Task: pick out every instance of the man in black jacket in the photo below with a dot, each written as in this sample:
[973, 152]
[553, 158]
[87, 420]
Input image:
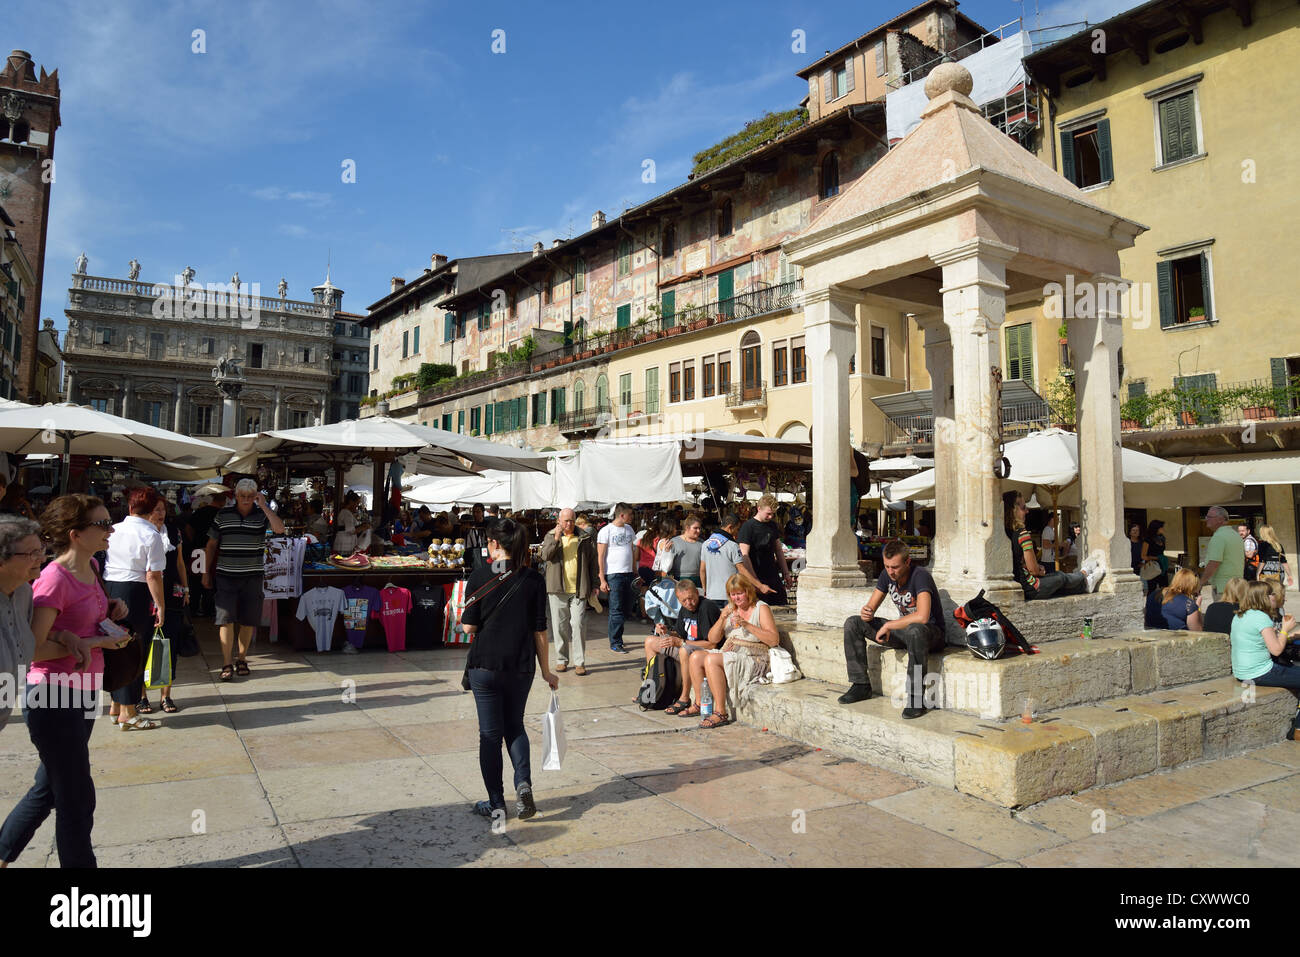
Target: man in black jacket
[685, 635]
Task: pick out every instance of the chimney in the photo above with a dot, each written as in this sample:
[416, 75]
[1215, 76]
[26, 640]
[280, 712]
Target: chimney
[439, 260]
[537, 248]
[556, 242]
[597, 219]
[396, 283]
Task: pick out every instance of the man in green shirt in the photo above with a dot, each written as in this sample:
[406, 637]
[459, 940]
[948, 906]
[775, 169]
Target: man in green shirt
[1225, 558]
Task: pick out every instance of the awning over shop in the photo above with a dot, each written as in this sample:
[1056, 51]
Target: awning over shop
[1280, 468]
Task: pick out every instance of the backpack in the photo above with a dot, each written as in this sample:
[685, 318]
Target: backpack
[661, 683]
[980, 607]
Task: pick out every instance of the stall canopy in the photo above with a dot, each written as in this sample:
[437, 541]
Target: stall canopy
[1049, 461]
[604, 471]
[1281, 468]
[69, 429]
[491, 487]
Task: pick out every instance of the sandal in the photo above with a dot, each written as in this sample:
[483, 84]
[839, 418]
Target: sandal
[715, 720]
[139, 724]
[169, 706]
[692, 712]
[144, 707]
[677, 707]
[241, 668]
[227, 672]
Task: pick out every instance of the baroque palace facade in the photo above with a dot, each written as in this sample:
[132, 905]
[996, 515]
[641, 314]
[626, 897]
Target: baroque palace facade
[147, 352]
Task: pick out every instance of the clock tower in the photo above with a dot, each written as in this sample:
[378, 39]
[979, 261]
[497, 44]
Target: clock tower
[29, 117]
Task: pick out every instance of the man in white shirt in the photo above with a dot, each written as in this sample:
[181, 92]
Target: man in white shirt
[616, 561]
[1049, 544]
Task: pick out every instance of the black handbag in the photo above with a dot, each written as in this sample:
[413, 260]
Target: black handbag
[123, 665]
[482, 593]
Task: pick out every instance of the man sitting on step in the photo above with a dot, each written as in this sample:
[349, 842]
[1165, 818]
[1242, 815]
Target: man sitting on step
[919, 627]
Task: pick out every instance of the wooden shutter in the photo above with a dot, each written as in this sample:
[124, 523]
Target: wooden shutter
[447, 326]
[1165, 292]
[848, 71]
[828, 85]
[1067, 155]
[1136, 388]
[487, 419]
[624, 316]
[880, 58]
[1187, 124]
[1103, 150]
[668, 303]
[415, 341]
[1205, 285]
[1020, 352]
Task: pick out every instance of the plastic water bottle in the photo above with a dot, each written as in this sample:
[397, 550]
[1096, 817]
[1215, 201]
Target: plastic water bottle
[706, 699]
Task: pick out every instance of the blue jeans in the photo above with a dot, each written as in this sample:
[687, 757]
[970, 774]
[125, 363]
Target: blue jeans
[620, 602]
[63, 785]
[1280, 676]
[500, 697]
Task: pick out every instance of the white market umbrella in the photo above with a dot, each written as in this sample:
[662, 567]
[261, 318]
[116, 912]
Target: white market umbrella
[69, 429]
[437, 450]
[491, 487]
[1049, 461]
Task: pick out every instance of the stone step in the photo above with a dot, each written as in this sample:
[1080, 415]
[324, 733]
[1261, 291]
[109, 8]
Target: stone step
[1014, 764]
[1064, 673]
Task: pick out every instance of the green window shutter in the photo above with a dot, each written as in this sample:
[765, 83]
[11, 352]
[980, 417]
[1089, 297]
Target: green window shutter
[521, 415]
[1280, 379]
[487, 419]
[1103, 149]
[1136, 388]
[1165, 292]
[1020, 352]
[1205, 285]
[1067, 155]
[668, 303]
[415, 341]
[624, 314]
[828, 84]
[460, 421]
[726, 285]
[1187, 123]
[446, 327]
[652, 390]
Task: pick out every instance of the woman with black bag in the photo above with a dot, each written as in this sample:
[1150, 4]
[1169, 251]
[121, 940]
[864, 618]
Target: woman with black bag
[506, 616]
[133, 572]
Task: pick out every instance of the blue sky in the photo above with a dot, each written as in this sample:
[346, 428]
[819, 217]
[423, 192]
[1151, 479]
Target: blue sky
[232, 159]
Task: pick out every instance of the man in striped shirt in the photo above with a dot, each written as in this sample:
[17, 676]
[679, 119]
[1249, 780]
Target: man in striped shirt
[236, 558]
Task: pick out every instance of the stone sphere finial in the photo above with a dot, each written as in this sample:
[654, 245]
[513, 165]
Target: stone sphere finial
[948, 76]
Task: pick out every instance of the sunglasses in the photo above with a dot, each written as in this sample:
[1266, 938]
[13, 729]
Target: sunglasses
[28, 555]
[102, 523]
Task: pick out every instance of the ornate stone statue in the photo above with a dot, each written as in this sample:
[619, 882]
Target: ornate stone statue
[187, 275]
[133, 269]
[234, 283]
[82, 263]
[283, 288]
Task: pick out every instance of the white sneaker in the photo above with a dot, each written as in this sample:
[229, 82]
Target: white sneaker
[1089, 564]
[1095, 574]
[348, 649]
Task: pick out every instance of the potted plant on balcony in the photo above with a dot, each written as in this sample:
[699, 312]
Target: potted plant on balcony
[1195, 314]
[1138, 411]
[1258, 401]
[1063, 334]
[598, 339]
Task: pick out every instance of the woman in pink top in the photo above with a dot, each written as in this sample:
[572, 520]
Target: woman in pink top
[63, 682]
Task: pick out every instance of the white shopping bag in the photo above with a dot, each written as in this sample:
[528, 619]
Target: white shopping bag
[552, 736]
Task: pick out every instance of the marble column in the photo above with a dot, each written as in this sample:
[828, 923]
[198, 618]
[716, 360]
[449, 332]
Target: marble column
[974, 307]
[1096, 340]
[279, 408]
[68, 381]
[829, 326]
[128, 402]
[178, 413]
[938, 362]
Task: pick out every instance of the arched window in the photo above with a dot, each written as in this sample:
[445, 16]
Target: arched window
[830, 176]
[669, 244]
[579, 389]
[751, 366]
[725, 218]
[602, 392]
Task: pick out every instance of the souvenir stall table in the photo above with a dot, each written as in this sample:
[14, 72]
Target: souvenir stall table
[393, 603]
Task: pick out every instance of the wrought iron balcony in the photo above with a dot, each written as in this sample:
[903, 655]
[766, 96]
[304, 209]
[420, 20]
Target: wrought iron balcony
[740, 397]
[587, 419]
[632, 408]
[1199, 407]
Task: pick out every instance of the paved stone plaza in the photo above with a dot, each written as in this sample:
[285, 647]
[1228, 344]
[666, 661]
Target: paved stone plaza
[286, 773]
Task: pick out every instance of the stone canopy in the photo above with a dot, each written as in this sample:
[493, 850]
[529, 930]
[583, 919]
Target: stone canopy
[953, 223]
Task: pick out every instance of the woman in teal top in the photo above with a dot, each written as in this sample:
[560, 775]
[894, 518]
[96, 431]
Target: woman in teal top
[1255, 641]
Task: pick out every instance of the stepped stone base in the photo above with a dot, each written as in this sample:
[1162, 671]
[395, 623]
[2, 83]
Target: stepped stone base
[1013, 764]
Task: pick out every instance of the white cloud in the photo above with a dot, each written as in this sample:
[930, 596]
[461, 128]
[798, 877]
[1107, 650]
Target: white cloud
[276, 193]
[294, 230]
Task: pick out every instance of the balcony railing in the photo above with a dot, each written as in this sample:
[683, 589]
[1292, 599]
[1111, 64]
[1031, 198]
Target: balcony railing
[1229, 404]
[747, 396]
[683, 318]
[1018, 420]
[637, 405]
[586, 419]
[219, 295]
